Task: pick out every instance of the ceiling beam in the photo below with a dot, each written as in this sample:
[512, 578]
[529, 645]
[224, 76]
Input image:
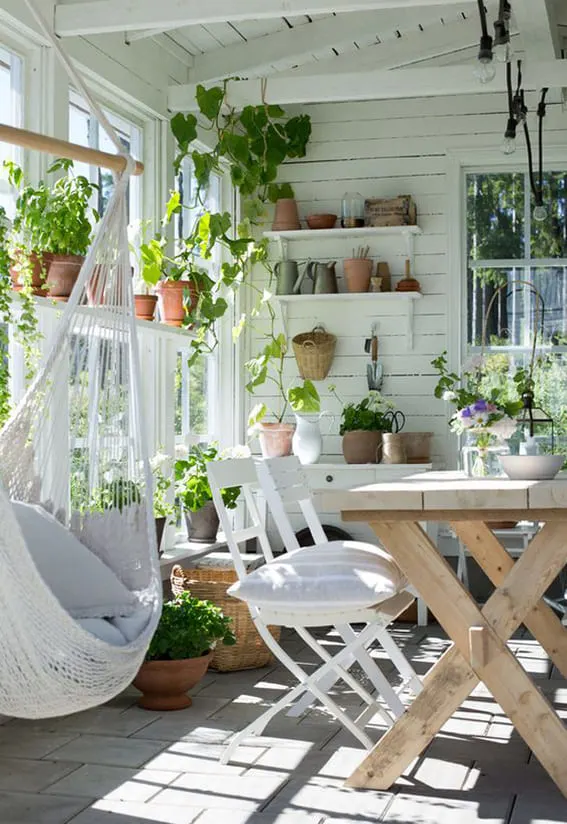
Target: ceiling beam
[258, 56]
[537, 23]
[372, 85]
[99, 16]
[411, 47]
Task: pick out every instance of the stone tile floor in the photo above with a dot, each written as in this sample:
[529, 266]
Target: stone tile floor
[123, 765]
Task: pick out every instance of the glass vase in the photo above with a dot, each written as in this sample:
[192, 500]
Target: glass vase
[481, 453]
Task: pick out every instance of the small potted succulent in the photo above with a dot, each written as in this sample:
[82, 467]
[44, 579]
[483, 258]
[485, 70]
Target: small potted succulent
[181, 651]
[193, 491]
[52, 230]
[362, 425]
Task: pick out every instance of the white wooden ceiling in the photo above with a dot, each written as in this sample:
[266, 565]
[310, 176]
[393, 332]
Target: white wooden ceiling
[351, 49]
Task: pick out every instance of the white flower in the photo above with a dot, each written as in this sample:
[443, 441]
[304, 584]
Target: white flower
[238, 451]
[159, 462]
[181, 452]
[448, 395]
[504, 428]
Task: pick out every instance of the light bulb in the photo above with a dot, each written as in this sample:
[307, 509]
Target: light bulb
[539, 213]
[503, 52]
[508, 145]
[485, 71]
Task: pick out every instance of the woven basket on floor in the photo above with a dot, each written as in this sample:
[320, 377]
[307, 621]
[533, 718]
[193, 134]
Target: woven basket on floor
[314, 353]
[211, 583]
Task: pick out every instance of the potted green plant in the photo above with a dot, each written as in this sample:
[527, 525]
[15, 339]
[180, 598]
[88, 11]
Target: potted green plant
[148, 255]
[52, 229]
[193, 491]
[163, 480]
[362, 425]
[181, 651]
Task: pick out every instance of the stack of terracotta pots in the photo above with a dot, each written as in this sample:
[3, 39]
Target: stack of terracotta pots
[286, 216]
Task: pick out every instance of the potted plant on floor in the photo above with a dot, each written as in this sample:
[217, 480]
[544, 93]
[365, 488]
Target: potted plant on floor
[362, 425]
[52, 230]
[181, 651]
[193, 491]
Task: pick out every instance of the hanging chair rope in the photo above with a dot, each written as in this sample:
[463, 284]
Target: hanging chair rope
[80, 585]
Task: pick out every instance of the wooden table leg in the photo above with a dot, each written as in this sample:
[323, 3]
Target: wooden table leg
[496, 562]
[452, 678]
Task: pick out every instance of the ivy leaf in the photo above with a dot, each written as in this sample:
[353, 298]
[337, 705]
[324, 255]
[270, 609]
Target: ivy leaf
[210, 101]
[173, 206]
[275, 111]
[277, 191]
[237, 146]
[203, 164]
[298, 131]
[304, 398]
[184, 128]
[256, 414]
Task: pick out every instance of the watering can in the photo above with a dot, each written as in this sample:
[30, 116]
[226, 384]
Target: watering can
[323, 275]
[287, 274]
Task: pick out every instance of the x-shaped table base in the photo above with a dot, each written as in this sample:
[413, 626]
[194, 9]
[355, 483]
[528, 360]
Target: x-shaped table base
[479, 651]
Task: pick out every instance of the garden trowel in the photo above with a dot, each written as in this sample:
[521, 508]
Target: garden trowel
[374, 370]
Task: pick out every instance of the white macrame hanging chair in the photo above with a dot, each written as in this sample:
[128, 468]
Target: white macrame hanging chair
[76, 447]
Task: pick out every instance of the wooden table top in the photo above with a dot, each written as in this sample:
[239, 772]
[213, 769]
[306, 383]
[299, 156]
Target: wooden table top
[451, 496]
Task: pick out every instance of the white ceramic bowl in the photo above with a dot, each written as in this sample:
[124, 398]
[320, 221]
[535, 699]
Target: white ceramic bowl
[531, 467]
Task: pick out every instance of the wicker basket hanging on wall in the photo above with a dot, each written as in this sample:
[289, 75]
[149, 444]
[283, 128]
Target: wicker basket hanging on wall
[211, 584]
[314, 352]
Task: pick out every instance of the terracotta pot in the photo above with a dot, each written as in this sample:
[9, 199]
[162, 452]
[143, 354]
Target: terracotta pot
[62, 274]
[165, 684]
[145, 306]
[171, 298]
[38, 268]
[286, 216]
[276, 439]
[360, 446]
[418, 446]
[160, 528]
[357, 274]
[202, 525]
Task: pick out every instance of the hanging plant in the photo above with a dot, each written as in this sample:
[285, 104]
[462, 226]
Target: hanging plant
[253, 143]
[5, 317]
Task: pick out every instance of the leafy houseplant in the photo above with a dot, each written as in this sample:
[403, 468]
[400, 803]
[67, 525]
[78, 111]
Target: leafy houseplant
[254, 143]
[52, 229]
[5, 318]
[180, 651]
[193, 491]
[362, 425]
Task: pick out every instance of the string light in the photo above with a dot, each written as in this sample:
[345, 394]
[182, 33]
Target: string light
[502, 46]
[485, 70]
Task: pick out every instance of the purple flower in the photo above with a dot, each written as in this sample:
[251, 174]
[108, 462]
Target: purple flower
[465, 413]
[480, 405]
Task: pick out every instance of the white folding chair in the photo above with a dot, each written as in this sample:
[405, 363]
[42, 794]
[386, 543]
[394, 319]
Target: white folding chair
[283, 481]
[242, 472]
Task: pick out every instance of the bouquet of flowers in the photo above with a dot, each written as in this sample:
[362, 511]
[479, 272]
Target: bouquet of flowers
[487, 413]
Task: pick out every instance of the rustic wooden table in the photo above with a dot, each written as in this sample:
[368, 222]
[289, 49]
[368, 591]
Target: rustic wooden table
[479, 651]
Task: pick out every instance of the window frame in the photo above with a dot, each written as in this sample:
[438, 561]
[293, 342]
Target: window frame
[460, 162]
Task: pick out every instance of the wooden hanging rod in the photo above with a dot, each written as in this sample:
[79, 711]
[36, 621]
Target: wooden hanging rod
[62, 148]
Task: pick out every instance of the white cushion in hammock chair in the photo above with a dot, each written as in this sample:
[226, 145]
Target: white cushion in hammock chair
[118, 631]
[349, 574]
[83, 585]
[104, 630]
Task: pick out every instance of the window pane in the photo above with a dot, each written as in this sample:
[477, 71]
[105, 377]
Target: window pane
[551, 283]
[10, 114]
[549, 237]
[85, 130]
[505, 323]
[495, 216]
[192, 388]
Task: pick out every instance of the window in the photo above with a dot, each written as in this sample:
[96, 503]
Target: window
[10, 114]
[196, 386]
[85, 130]
[505, 245]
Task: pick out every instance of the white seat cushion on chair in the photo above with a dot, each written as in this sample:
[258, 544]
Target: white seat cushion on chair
[83, 585]
[337, 574]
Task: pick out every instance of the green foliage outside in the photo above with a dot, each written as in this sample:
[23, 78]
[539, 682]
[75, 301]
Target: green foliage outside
[192, 487]
[189, 628]
[5, 318]
[497, 230]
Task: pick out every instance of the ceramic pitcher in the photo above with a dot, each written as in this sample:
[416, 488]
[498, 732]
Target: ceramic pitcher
[307, 441]
[287, 274]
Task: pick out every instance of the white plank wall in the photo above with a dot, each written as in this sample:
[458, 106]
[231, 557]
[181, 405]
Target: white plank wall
[384, 149]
